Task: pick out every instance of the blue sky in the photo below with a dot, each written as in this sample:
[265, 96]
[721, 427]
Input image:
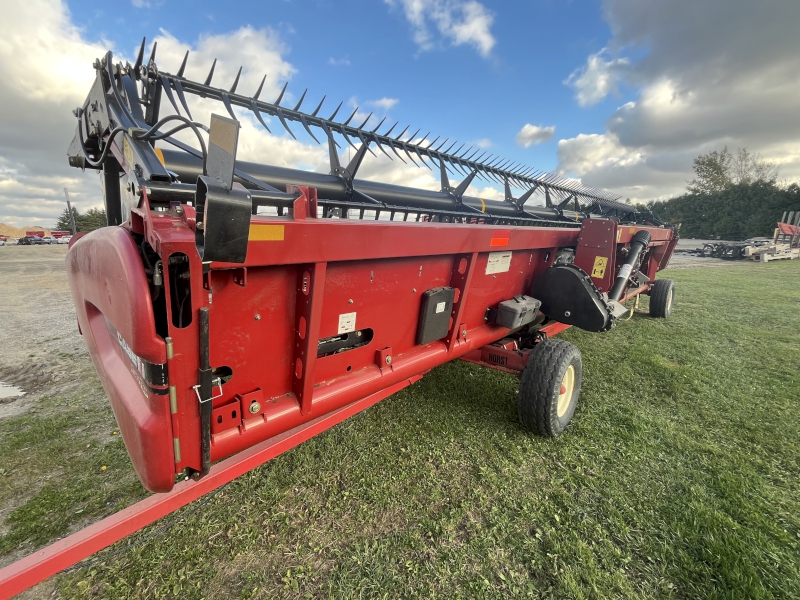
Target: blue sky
[621, 94]
[365, 49]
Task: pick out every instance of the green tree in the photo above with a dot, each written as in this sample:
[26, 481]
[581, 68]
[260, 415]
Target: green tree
[712, 172]
[63, 224]
[93, 219]
[717, 171]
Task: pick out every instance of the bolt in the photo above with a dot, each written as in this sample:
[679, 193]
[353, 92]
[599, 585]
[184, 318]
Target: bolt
[258, 317]
[414, 290]
[464, 332]
[255, 407]
[200, 226]
[388, 360]
[350, 301]
[567, 313]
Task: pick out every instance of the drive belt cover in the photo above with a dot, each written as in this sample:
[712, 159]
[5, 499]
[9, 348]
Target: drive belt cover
[569, 296]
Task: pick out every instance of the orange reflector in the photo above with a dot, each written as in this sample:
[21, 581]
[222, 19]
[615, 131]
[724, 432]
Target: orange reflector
[500, 237]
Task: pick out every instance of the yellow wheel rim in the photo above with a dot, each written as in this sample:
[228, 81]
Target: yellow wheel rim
[565, 393]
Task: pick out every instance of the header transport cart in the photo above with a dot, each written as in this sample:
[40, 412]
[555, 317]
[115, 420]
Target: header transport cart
[233, 310]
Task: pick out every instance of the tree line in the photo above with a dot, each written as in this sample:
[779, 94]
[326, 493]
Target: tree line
[92, 219]
[733, 196]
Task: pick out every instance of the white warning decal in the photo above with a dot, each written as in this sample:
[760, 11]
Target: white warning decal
[625, 271]
[440, 306]
[499, 262]
[347, 322]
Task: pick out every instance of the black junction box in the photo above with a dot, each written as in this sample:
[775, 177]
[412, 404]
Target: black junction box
[434, 318]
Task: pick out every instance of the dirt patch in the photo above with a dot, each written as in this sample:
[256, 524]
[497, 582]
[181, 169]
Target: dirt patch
[41, 351]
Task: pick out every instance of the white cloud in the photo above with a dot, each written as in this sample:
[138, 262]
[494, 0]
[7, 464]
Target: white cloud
[459, 21]
[531, 135]
[598, 78]
[339, 62]
[483, 143]
[707, 74]
[41, 83]
[384, 103]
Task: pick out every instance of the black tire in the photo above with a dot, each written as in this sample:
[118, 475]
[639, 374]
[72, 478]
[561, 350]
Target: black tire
[540, 387]
[662, 298]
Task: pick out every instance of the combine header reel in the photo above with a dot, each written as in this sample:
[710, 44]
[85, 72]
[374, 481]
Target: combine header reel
[235, 309]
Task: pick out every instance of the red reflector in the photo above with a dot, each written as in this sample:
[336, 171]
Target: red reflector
[500, 237]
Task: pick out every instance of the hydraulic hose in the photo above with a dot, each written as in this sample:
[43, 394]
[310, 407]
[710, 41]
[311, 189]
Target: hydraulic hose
[639, 243]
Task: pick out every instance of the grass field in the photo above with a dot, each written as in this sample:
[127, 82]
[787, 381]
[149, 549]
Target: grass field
[679, 478]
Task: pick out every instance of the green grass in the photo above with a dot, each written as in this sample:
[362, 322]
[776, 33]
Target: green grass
[677, 479]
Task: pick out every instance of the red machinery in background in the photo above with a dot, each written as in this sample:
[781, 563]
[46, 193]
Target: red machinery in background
[233, 310]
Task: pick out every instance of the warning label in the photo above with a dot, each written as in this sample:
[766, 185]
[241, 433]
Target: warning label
[440, 306]
[499, 262]
[347, 322]
[599, 269]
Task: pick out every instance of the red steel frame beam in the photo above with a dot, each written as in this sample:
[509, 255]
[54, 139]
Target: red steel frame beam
[48, 561]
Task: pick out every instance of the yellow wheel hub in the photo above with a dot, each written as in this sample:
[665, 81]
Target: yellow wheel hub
[565, 393]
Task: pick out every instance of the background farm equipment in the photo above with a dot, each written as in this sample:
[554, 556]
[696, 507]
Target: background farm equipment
[234, 309]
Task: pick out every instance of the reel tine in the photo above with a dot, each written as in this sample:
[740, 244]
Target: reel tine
[283, 91]
[434, 141]
[329, 133]
[153, 52]
[365, 143]
[451, 146]
[139, 58]
[347, 139]
[307, 128]
[211, 73]
[378, 142]
[316, 110]
[412, 136]
[365, 121]
[183, 64]
[351, 117]
[440, 145]
[260, 87]
[390, 129]
[379, 124]
[336, 111]
[168, 89]
[401, 135]
[422, 158]
[391, 145]
[182, 97]
[257, 113]
[303, 97]
[405, 149]
[459, 149]
[227, 102]
[422, 141]
[235, 82]
[282, 119]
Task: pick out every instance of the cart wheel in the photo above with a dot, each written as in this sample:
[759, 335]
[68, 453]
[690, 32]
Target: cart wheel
[662, 297]
[549, 387]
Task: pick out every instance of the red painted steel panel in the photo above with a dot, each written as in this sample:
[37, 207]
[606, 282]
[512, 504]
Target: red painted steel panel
[108, 286]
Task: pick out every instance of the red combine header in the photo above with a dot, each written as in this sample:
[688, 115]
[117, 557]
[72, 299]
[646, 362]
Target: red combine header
[233, 309]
